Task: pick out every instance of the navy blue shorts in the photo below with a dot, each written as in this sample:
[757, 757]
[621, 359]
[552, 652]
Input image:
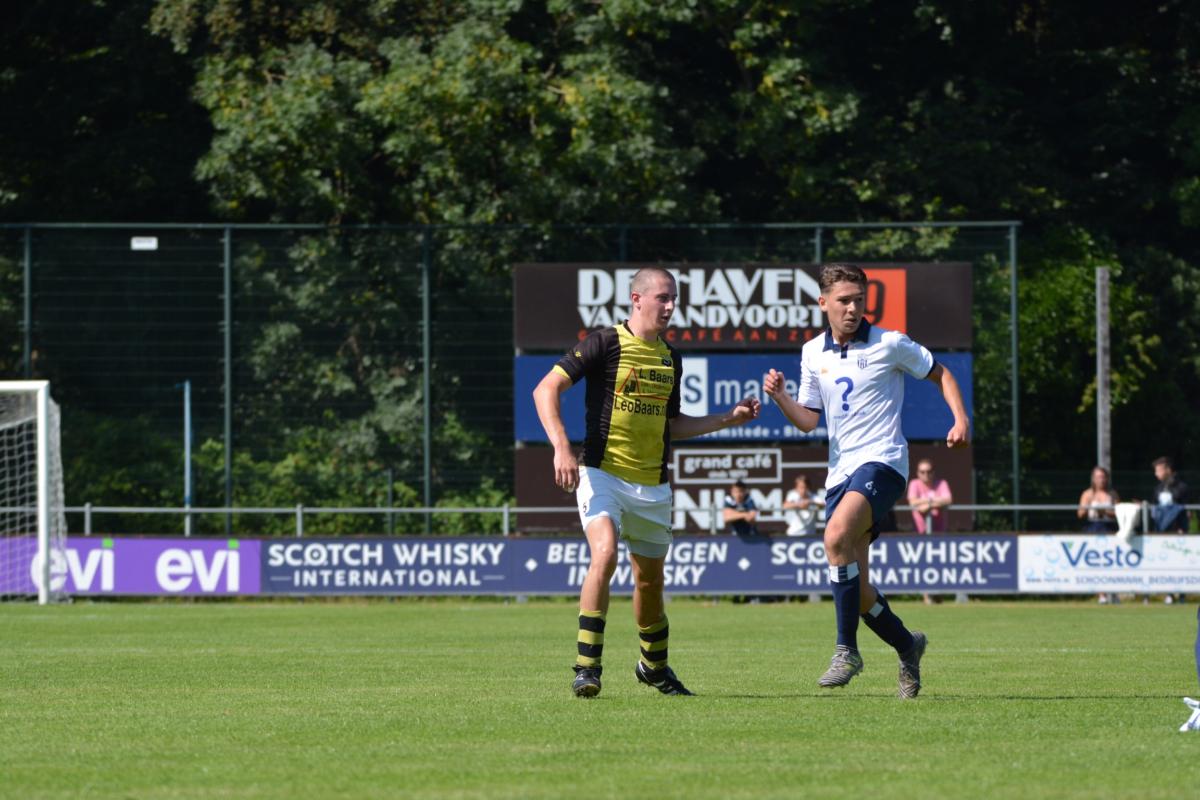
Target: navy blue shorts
[879, 483]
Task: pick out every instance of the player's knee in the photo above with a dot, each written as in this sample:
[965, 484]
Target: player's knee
[650, 582]
[604, 559]
[839, 543]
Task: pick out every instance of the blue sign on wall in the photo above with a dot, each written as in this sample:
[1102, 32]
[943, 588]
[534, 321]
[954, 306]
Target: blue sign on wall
[715, 382]
[695, 565]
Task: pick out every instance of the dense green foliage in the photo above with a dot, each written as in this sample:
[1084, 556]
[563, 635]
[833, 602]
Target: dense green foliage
[1078, 119]
[451, 699]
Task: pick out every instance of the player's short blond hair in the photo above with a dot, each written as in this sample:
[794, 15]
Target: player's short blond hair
[642, 278]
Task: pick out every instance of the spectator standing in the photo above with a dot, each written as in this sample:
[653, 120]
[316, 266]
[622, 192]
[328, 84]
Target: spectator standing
[929, 495]
[1096, 510]
[1096, 504]
[1169, 515]
[802, 507]
[741, 514]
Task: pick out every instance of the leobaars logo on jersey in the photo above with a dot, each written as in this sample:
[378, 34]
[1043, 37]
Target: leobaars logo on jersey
[720, 306]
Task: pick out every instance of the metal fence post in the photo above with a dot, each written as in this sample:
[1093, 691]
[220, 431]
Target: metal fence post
[27, 358]
[505, 523]
[426, 377]
[1015, 376]
[712, 515]
[818, 251]
[228, 311]
[87, 519]
[391, 501]
[299, 520]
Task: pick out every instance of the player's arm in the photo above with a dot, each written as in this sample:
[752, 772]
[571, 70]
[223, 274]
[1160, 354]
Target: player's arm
[733, 515]
[919, 504]
[685, 426]
[960, 433]
[942, 495]
[547, 398]
[804, 418]
[1085, 497]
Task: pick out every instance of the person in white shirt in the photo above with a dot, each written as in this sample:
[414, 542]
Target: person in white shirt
[855, 374]
[802, 507]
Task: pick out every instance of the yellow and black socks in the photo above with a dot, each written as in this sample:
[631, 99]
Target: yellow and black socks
[654, 644]
[591, 639]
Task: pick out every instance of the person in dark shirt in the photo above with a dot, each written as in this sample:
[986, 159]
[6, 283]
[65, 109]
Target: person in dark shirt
[1169, 515]
[740, 513]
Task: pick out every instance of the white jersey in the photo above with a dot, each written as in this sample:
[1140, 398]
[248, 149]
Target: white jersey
[860, 387]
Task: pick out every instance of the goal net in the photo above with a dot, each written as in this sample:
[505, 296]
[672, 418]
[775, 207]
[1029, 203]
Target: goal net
[33, 526]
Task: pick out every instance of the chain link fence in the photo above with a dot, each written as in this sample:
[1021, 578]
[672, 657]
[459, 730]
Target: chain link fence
[371, 366]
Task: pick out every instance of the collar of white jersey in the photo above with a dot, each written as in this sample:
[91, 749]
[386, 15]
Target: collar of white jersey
[863, 334]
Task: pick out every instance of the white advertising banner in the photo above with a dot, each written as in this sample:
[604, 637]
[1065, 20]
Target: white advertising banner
[1087, 563]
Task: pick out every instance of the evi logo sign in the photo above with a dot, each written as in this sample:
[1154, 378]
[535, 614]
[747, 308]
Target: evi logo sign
[131, 566]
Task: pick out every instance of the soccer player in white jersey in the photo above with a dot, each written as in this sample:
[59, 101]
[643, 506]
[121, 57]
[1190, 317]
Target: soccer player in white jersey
[855, 373]
[1193, 722]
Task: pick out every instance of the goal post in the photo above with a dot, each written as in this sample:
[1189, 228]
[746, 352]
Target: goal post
[32, 509]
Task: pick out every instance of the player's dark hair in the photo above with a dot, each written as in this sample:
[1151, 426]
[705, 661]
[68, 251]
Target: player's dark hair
[1165, 461]
[837, 273]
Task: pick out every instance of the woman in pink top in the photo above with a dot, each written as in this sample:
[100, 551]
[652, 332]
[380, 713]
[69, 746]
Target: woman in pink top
[928, 495]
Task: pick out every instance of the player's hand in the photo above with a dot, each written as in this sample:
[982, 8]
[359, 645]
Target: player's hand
[566, 470]
[959, 435]
[745, 411]
[774, 385]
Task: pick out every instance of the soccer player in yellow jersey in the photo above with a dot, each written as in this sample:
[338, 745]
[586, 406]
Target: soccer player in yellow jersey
[621, 487]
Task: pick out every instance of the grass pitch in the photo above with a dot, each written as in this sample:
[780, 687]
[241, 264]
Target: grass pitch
[472, 699]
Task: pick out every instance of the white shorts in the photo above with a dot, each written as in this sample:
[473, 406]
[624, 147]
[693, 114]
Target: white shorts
[640, 513]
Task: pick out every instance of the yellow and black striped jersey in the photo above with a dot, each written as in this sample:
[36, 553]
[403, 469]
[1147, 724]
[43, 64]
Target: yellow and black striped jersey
[632, 394]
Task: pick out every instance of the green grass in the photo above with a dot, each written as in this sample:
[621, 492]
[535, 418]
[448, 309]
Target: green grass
[472, 699]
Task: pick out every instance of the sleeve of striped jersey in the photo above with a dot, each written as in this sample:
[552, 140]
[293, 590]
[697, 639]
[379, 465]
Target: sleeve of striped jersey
[912, 357]
[809, 393]
[673, 404]
[586, 356]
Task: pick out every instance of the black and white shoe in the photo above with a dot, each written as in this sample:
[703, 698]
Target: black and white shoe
[587, 681]
[844, 665]
[910, 667]
[662, 679]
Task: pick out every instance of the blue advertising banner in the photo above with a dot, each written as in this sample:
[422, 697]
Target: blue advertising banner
[695, 565]
[712, 565]
[713, 382]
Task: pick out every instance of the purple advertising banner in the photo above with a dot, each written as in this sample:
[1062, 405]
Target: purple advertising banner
[124, 565]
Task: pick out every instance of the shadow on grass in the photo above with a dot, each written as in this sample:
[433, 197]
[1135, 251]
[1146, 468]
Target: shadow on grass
[933, 695]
